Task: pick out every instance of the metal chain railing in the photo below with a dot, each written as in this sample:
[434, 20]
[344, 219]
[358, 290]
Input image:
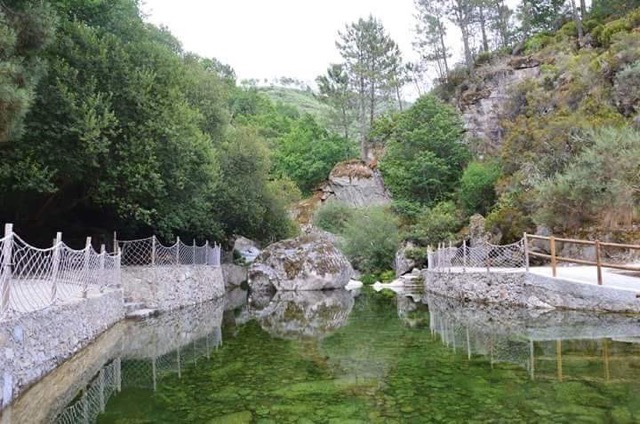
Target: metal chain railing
[150, 252]
[485, 256]
[32, 278]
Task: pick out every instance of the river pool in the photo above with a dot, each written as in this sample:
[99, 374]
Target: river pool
[337, 358]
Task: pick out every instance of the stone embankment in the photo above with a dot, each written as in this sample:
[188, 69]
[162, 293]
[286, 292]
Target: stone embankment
[530, 290]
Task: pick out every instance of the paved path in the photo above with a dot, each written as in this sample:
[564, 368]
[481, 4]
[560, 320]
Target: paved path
[624, 280]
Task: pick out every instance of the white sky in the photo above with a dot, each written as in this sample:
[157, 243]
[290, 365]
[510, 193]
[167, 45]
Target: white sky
[273, 38]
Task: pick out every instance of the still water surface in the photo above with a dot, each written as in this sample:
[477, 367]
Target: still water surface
[375, 358]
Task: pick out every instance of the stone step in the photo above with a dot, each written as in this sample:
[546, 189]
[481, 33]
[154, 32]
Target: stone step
[133, 306]
[142, 314]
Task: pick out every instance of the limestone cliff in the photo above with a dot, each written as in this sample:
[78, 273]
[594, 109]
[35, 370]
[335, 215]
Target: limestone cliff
[356, 184]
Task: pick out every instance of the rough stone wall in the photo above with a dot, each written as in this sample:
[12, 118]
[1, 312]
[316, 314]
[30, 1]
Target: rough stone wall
[34, 344]
[171, 287]
[42, 402]
[234, 275]
[530, 291]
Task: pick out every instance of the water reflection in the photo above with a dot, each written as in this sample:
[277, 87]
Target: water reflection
[561, 345]
[306, 314]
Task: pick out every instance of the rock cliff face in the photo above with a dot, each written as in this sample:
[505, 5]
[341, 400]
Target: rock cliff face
[483, 104]
[356, 184]
[308, 262]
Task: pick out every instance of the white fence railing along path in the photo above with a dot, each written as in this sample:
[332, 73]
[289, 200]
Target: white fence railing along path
[32, 278]
[150, 252]
[483, 256]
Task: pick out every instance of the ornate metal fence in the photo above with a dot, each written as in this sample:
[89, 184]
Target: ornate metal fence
[484, 256]
[150, 252]
[32, 278]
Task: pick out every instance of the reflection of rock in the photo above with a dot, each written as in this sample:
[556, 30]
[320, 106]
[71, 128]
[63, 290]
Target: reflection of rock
[294, 315]
[234, 275]
[308, 262]
[235, 299]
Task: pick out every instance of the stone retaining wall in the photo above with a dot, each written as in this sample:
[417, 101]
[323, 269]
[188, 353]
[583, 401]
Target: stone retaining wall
[34, 344]
[171, 287]
[530, 291]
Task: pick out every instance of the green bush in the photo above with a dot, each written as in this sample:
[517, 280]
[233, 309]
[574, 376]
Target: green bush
[537, 42]
[371, 239]
[436, 224]
[509, 219]
[477, 194]
[333, 217]
[627, 89]
[598, 187]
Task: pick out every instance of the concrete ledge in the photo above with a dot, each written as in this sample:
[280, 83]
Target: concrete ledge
[34, 344]
[530, 291]
[172, 287]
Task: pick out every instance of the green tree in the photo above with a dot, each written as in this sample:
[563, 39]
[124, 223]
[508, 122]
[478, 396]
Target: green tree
[371, 60]
[431, 31]
[477, 194]
[336, 92]
[425, 155]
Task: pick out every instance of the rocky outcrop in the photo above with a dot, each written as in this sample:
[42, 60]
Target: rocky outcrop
[405, 259]
[356, 184]
[307, 262]
[233, 275]
[483, 104]
[295, 315]
[248, 249]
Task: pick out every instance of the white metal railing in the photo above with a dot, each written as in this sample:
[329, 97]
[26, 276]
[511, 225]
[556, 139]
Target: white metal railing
[485, 256]
[93, 399]
[32, 278]
[150, 252]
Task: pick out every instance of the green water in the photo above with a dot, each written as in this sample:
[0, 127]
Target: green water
[387, 360]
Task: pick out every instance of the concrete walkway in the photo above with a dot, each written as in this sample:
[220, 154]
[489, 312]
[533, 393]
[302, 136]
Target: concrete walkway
[622, 280]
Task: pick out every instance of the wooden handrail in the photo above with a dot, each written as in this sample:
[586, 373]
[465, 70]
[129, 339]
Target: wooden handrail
[598, 247]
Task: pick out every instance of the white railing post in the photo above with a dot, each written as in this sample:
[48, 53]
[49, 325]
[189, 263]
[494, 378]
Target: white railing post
[206, 253]
[464, 255]
[178, 250]
[86, 265]
[194, 251]
[115, 243]
[153, 250]
[525, 242]
[5, 271]
[55, 266]
[103, 253]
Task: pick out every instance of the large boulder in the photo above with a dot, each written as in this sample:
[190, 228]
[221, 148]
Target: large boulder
[307, 262]
[356, 184]
[405, 259]
[248, 249]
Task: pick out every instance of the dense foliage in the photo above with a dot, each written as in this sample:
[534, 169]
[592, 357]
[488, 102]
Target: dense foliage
[108, 124]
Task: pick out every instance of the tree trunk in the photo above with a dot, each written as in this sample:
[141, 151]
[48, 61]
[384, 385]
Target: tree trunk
[443, 46]
[483, 29]
[578, 21]
[583, 9]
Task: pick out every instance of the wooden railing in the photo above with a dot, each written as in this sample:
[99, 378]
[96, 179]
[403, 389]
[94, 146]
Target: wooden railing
[599, 246]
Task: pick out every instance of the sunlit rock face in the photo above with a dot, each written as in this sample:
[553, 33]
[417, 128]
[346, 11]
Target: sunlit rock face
[307, 314]
[356, 184]
[308, 262]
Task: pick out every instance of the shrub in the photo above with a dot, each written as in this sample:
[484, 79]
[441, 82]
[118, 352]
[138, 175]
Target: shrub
[509, 219]
[371, 239]
[477, 194]
[598, 187]
[627, 89]
[333, 217]
[537, 42]
[436, 224]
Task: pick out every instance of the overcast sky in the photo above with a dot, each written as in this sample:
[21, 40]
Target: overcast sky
[273, 38]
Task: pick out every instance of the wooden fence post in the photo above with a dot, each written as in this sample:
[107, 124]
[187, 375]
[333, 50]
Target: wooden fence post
[178, 250]
[55, 266]
[598, 262]
[5, 271]
[87, 259]
[526, 252]
[552, 248]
